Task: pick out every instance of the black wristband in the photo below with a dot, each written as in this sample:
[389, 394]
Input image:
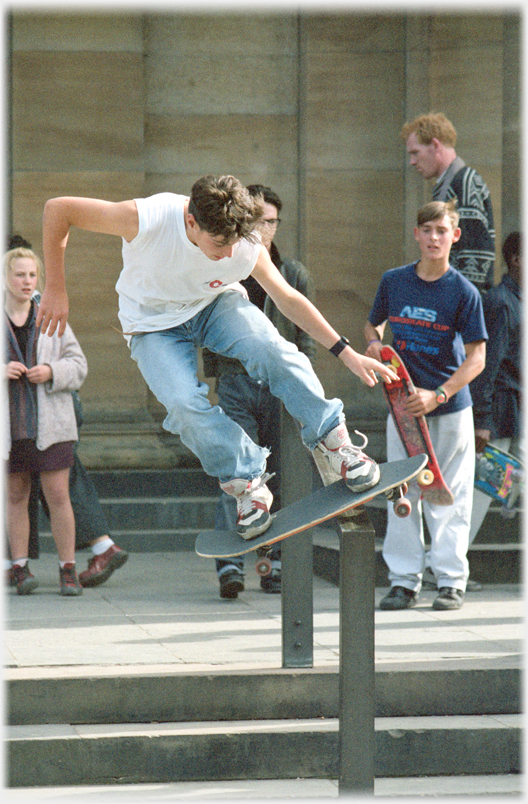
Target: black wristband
[338, 347]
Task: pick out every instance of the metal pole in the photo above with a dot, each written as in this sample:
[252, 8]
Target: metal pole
[296, 553]
[356, 672]
[357, 578]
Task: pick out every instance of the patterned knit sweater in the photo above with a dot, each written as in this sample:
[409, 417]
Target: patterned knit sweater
[474, 254]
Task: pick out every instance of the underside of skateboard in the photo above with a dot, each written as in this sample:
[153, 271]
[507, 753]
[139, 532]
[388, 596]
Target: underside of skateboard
[334, 499]
[401, 506]
[500, 476]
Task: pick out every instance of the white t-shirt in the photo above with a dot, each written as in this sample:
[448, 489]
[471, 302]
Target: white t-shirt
[166, 279]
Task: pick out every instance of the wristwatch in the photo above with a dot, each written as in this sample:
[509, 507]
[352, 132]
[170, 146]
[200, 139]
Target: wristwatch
[338, 347]
[441, 395]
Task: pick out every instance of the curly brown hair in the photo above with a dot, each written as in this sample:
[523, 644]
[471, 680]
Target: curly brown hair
[223, 207]
[427, 127]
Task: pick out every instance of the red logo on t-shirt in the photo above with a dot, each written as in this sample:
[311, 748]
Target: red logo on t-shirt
[216, 283]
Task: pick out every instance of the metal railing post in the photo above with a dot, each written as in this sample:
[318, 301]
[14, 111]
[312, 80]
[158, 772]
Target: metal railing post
[356, 648]
[297, 552]
[356, 655]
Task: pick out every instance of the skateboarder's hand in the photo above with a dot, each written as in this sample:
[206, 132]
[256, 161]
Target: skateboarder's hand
[53, 311]
[422, 402]
[367, 369]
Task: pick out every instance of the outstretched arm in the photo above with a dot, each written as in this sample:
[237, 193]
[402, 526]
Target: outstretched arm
[60, 214]
[307, 317]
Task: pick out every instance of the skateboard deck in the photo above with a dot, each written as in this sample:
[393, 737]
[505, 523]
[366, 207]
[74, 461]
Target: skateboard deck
[501, 476]
[323, 504]
[413, 430]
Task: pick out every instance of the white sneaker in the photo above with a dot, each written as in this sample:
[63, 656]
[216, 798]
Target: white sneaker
[254, 500]
[348, 461]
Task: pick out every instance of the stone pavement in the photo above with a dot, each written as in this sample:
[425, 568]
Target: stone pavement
[164, 609]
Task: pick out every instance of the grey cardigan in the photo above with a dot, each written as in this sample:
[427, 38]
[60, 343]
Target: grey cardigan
[56, 416]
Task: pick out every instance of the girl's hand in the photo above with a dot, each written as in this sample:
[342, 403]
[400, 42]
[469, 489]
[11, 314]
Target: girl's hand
[40, 374]
[15, 370]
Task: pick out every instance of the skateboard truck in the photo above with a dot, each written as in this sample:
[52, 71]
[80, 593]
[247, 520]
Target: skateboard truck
[401, 505]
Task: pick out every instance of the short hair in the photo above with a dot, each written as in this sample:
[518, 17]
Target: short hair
[223, 207]
[268, 195]
[427, 127]
[14, 254]
[435, 210]
[17, 241]
[511, 247]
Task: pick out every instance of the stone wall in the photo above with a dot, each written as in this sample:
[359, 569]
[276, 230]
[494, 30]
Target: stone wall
[121, 105]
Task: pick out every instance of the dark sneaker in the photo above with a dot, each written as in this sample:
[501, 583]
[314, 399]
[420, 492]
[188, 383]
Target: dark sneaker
[449, 598]
[101, 567]
[254, 501]
[231, 583]
[399, 598]
[69, 582]
[349, 461]
[272, 583]
[25, 582]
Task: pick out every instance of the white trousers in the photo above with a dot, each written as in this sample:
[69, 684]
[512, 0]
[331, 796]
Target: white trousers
[453, 439]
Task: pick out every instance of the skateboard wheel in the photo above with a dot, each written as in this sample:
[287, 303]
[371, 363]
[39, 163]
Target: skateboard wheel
[425, 477]
[263, 567]
[402, 507]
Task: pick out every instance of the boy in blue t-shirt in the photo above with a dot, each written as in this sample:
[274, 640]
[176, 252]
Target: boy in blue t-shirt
[438, 328]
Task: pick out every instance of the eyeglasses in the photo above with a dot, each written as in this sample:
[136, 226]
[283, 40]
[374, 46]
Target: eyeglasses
[271, 222]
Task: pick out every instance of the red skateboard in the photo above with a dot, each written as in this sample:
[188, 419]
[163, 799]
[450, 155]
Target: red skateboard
[413, 430]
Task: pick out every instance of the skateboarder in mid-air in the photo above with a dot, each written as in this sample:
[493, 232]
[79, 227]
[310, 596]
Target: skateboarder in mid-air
[179, 289]
[436, 318]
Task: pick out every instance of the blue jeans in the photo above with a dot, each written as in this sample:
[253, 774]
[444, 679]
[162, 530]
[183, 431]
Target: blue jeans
[231, 326]
[250, 403]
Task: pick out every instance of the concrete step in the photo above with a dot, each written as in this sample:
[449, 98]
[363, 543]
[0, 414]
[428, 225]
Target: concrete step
[494, 530]
[488, 564]
[154, 483]
[496, 555]
[129, 514]
[67, 696]
[282, 789]
[132, 753]
[150, 509]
